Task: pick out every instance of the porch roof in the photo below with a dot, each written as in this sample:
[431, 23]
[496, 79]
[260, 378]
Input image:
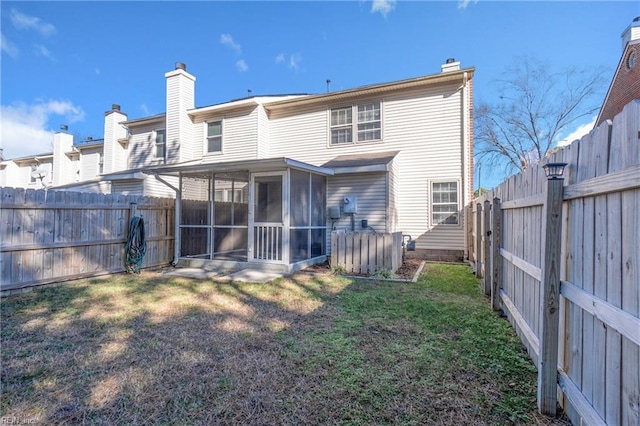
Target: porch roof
[254, 165]
[361, 163]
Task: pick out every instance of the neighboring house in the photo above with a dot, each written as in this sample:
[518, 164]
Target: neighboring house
[265, 179]
[625, 85]
[34, 171]
[68, 164]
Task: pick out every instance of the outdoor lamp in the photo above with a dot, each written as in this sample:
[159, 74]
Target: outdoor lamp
[554, 170]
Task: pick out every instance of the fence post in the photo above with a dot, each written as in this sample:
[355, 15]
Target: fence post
[496, 263]
[479, 240]
[487, 247]
[548, 358]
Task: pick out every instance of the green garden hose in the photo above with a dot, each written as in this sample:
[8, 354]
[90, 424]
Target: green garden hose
[136, 246]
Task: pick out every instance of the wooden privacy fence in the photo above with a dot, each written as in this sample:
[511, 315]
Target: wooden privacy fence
[366, 252]
[562, 260]
[49, 236]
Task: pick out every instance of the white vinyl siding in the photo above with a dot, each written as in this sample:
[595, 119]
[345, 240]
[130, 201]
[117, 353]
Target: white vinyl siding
[89, 162]
[263, 137]
[155, 188]
[239, 136]
[392, 189]
[115, 155]
[142, 145]
[128, 187]
[181, 144]
[425, 126]
[371, 190]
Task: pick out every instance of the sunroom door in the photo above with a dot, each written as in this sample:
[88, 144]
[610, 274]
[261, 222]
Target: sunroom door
[268, 217]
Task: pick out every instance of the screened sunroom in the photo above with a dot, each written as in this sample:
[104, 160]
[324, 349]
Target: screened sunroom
[262, 213]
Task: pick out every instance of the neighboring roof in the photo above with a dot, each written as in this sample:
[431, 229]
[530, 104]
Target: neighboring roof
[89, 144]
[621, 65]
[359, 163]
[36, 157]
[374, 89]
[263, 164]
[239, 104]
[144, 120]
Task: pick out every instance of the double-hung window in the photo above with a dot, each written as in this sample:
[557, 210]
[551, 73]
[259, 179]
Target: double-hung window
[100, 163]
[214, 137]
[161, 144]
[356, 123]
[444, 203]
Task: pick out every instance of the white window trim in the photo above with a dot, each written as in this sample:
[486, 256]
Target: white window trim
[155, 144]
[430, 203]
[205, 144]
[354, 124]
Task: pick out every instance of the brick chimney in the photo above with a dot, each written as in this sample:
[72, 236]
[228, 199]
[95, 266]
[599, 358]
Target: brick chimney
[115, 153]
[631, 33]
[180, 99]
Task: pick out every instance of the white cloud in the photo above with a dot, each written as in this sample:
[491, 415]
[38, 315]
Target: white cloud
[145, 109]
[25, 129]
[227, 40]
[8, 47]
[43, 51]
[26, 22]
[242, 66]
[294, 61]
[578, 133]
[383, 6]
[462, 4]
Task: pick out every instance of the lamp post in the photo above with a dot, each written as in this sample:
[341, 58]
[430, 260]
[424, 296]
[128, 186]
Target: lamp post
[554, 170]
[550, 286]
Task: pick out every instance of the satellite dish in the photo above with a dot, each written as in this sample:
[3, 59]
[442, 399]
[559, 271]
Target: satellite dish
[39, 174]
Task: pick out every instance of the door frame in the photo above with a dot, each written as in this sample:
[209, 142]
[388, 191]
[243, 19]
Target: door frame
[285, 217]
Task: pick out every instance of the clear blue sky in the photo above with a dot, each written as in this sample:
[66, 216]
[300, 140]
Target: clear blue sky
[67, 62]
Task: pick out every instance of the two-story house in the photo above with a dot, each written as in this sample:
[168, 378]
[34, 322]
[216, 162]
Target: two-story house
[265, 179]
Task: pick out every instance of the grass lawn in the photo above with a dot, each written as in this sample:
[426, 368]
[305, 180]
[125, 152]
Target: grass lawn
[303, 350]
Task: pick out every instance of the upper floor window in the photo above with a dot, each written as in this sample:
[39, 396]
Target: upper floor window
[161, 145]
[32, 173]
[214, 136]
[444, 203]
[366, 126]
[101, 163]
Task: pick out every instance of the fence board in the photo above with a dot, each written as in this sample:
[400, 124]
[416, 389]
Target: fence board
[50, 236]
[367, 253]
[599, 351]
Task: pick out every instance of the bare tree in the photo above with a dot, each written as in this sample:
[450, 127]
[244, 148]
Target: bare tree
[535, 108]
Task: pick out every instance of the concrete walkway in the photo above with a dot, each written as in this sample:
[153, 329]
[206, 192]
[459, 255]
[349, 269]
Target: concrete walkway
[244, 275]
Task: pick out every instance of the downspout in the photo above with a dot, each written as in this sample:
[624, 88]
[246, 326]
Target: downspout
[465, 165]
[176, 225]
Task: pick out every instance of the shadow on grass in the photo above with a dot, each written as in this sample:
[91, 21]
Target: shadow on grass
[303, 350]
